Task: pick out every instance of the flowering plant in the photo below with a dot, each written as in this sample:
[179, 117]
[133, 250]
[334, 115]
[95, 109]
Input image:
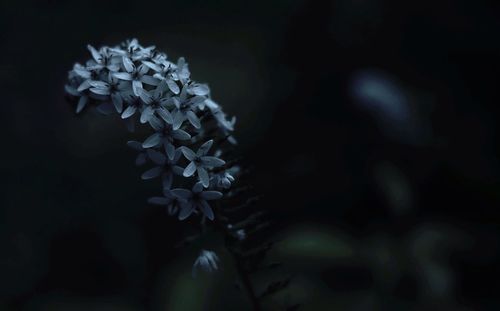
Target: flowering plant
[189, 137]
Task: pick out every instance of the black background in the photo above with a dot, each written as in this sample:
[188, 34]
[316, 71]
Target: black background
[76, 232]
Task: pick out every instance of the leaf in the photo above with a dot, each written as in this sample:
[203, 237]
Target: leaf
[275, 287]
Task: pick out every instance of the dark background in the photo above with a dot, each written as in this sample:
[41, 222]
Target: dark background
[385, 203]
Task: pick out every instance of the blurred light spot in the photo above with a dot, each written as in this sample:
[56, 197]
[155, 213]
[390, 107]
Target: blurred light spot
[314, 243]
[399, 113]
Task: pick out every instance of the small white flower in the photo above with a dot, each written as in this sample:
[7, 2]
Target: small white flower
[207, 261]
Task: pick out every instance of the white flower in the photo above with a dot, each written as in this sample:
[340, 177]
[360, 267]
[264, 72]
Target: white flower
[207, 261]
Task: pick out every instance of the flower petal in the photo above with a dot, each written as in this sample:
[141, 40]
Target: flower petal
[129, 112]
[170, 150]
[146, 114]
[71, 90]
[167, 179]
[203, 175]
[152, 173]
[204, 148]
[83, 86]
[179, 117]
[135, 145]
[128, 64]
[198, 187]
[82, 102]
[141, 159]
[136, 86]
[188, 153]
[189, 170]
[173, 86]
[99, 91]
[181, 135]
[212, 161]
[123, 76]
[105, 108]
[157, 157]
[182, 193]
[165, 115]
[193, 119]
[152, 141]
[97, 57]
[150, 80]
[198, 89]
[145, 96]
[211, 195]
[207, 211]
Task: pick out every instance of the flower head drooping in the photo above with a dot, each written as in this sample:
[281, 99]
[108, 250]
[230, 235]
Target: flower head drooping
[207, 261]
[141, 84]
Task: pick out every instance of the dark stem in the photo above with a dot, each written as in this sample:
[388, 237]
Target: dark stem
[247, 284]
[243, 275]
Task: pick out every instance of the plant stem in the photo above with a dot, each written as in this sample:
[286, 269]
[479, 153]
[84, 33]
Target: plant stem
[247, 284]
[245, 279]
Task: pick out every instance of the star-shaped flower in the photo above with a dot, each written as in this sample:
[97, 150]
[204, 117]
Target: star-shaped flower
[155, 104]
[136, 75]
[165, 135]
[171, 199]
[196, 200]
[104, 59]
[166, 167]
[200, 162]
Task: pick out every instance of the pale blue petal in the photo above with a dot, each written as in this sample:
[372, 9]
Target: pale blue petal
[182, 193]
[135, 145]
[181, 135]
[186, 211]
[128, 64]
[152, 173]
[123, 76]
[207, 211]
[189, 170]
[150, 80]
[173, 86]
[212, 161]
[211, 195]
[82, 102]
[157, 157]
[188, 153]
[152, 141]
[165, 115]
[129, 112]
[146, 114]
[203, 175]
[136, 86]
[97, 57]
[170, 150]
[193, 119]
[117, 102]
[204, 148]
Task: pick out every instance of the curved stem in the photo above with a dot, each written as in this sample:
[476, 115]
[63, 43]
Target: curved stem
[243, 275]
[247, 284]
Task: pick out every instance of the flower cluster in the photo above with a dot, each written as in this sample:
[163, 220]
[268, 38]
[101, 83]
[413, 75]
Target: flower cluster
[144, 87]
